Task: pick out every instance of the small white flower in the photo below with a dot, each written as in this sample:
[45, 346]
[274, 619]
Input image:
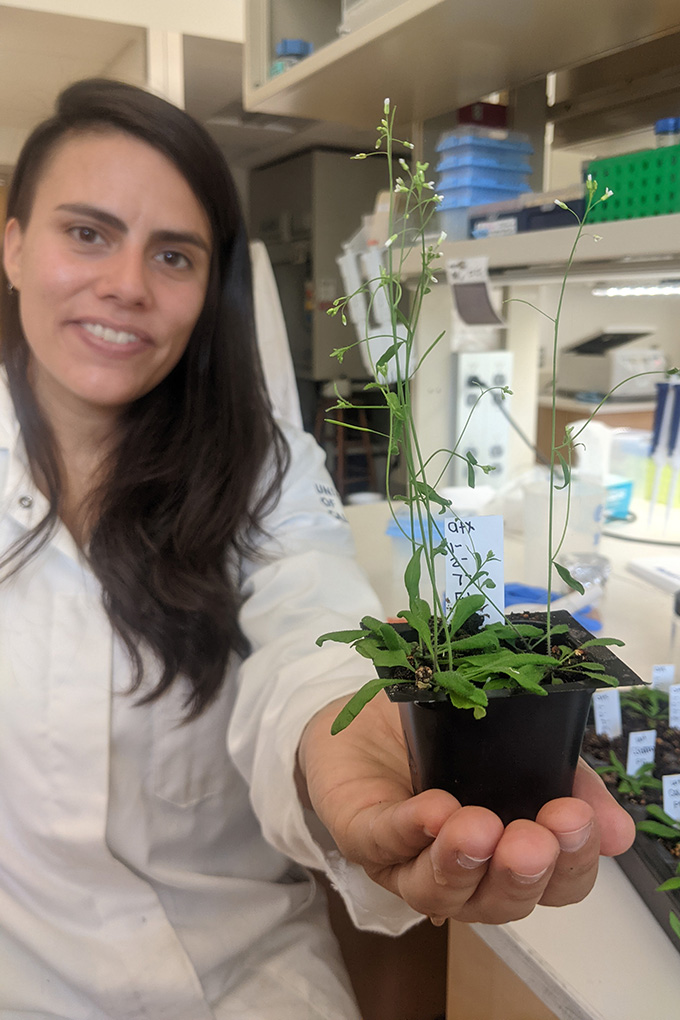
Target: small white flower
[409, 145]
[386, 106]
[403, 164]
[390, 241]
[441, 238]
[562, 205]
[597, 237]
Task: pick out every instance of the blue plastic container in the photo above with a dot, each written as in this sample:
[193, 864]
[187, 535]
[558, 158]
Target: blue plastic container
[482, 177]
[492, 160]
[458, 198]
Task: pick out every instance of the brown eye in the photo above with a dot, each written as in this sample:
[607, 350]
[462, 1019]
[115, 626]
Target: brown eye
[86, 235]
[173, 259]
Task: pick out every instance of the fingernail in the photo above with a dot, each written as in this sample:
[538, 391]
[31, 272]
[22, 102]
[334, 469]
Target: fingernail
[528, 879]
[468, 862]
[570, 842]
[438, 921]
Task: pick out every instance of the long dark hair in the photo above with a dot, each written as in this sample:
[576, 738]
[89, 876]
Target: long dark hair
[182, 498]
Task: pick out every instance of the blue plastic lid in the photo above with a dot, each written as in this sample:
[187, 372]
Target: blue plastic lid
[667, 126]
[293, 48]
[513, 143]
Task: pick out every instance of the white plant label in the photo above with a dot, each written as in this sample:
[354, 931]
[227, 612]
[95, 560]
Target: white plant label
[607, 710]
[641, 748]
[671, 796]
[674, 706]
[663, 675]
[475, 546]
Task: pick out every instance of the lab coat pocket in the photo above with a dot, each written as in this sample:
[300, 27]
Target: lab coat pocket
[189, 760]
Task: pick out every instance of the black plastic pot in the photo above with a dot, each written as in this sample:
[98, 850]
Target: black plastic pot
[522, 754]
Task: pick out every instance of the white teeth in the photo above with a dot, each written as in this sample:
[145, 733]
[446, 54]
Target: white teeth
[110, 335]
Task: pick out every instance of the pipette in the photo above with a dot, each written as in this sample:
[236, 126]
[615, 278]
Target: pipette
[661, 451]
[673, 451]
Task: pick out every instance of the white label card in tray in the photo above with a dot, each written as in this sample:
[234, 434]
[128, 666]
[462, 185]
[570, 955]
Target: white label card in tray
[671, 796]
[663, 675]
[674, 706]
[475, 547]
[641, 748]
[607, 711]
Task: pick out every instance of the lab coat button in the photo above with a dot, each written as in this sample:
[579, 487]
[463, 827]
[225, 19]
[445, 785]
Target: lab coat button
[26, 502]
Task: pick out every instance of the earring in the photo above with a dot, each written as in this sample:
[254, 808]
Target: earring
[10, 288]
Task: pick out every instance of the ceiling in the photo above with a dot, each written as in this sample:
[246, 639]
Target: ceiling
[41, 53]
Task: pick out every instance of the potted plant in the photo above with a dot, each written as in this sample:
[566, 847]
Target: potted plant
[493, 711]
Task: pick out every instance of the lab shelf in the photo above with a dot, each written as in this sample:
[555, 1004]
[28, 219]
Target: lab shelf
[638, 249]
[432, 56]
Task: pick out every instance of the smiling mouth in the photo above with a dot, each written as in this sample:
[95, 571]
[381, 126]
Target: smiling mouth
[113, 336]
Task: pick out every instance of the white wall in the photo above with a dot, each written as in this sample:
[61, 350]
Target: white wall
[218, 19]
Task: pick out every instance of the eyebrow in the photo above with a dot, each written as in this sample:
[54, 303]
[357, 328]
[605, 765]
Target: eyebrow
[107, 218]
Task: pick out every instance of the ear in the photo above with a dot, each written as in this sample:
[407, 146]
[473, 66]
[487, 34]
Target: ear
[11, 252]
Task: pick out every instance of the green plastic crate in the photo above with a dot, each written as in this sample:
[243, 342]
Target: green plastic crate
[643, 183]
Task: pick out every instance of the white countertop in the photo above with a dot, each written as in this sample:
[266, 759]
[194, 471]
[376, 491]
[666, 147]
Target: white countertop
[605, 958]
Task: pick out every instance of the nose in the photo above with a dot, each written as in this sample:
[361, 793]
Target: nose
[124, 277]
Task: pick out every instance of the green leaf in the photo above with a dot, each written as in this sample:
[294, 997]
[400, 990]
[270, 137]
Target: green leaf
[393, 640]
[674, 922]
[483, 641]
[566, 472]
[426, 491]
[568, 579]
[387, 356]
[359, 700]
[599, 641]
[658, 812]
[345, 637]
[467, 695]
[463, 609]
[391, 658]
[529, 679]
[658, 829]
[471, 470]
[412, 576]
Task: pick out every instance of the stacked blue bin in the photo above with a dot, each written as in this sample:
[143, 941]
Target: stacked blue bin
[478, 166]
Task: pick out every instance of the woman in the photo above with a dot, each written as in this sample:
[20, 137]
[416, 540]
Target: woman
[170, 555]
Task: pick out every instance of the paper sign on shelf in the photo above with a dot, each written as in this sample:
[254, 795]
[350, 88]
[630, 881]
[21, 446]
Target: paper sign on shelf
[469, 282]
[607, 711]
[641, 748]
[671, 796]
[663, 675]
[469, 541]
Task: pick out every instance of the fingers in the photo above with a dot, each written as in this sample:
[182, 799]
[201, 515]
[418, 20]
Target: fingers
[475, 870]
[617, 828]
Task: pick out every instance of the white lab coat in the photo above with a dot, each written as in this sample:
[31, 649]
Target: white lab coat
[135, 881]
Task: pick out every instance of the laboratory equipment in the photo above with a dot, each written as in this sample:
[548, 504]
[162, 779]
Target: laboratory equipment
[667, 132]
[604, 360]
[477, 417]
[665, 449]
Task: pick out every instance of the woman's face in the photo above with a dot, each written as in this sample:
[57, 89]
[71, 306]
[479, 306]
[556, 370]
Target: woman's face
[112, 271]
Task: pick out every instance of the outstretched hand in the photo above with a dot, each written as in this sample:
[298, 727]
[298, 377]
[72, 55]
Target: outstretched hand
[445, 860]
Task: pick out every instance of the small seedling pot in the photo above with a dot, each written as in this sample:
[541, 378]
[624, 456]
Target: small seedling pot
[522, 754]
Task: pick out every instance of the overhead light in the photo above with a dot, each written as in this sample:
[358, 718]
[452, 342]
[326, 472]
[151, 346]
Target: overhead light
[665, 288]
